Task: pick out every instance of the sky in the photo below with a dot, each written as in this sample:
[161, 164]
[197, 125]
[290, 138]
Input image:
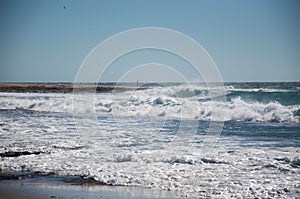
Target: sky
[48, 40]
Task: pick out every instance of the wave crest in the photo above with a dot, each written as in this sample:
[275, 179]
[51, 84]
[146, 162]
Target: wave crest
[157, 102]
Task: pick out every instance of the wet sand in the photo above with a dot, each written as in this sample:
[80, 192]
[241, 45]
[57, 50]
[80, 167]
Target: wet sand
[60, 88]
[51, 186]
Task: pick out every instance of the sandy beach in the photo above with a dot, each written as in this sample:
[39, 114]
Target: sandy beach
[44, 186]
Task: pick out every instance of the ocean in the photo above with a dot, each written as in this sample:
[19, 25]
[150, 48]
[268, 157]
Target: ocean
[158, 138]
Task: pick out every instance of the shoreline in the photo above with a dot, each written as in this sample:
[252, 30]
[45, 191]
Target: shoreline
[62, 88]
[35, 185]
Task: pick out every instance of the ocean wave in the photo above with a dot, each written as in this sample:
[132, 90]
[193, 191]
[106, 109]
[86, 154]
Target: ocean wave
[162, 105]
[189, 90]
[240, 110]
[156, 102]
[255, 90]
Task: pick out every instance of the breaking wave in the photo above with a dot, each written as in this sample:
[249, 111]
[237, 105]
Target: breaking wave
[170, 102]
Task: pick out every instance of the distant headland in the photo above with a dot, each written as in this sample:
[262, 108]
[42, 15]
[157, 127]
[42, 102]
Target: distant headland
[62, 88]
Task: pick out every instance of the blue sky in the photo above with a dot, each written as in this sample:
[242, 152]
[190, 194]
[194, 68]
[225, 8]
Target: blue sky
[254, 40]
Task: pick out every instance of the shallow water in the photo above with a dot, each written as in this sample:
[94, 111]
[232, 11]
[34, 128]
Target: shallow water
[55, 187]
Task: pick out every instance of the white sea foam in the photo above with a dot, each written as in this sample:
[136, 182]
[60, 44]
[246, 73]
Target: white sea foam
[117, 156]
[266, 90]
[138, 147]
[171, 102]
